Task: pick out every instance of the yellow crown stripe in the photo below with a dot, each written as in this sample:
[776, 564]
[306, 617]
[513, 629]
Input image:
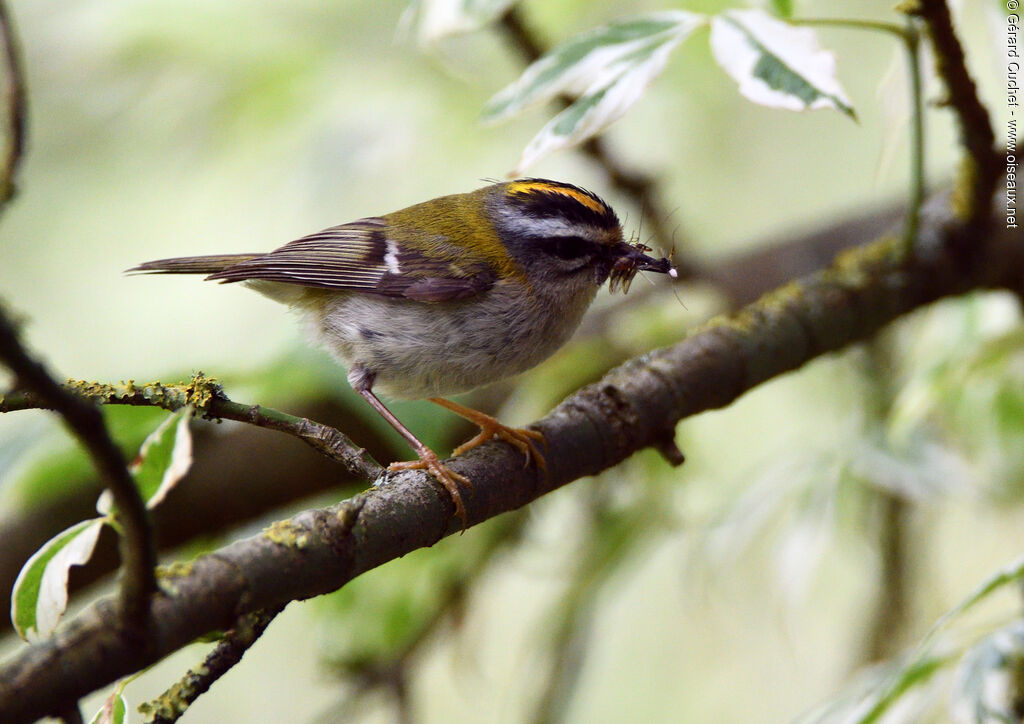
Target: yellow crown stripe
[529, 187]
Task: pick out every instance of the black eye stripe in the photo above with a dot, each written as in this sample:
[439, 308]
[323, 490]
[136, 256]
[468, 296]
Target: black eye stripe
[569, 247]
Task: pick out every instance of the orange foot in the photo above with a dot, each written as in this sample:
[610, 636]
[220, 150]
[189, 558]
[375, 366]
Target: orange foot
[523, 440]
[448, 478]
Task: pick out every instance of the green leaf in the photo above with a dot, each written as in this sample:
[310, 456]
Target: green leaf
[607, 68]
[40, 594]
[776, 64]
[163, 460]
[114, 710]
[593, 59]
[782, 8]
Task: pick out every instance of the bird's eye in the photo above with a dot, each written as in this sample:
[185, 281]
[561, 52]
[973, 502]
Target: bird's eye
[570, 247]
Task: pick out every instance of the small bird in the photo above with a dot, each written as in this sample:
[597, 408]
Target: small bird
[446, 296]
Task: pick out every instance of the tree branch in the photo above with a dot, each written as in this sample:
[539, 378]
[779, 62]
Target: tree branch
[16, 108]
[138, 554]
[169, 706]
[208, 398]
[982, 168]
[633, 407]
[137, 551]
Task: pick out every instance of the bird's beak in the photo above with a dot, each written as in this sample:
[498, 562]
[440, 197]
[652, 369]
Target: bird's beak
[631, 259]
[633, 256]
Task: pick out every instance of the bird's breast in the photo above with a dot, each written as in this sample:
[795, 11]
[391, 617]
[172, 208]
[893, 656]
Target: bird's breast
[416, 349]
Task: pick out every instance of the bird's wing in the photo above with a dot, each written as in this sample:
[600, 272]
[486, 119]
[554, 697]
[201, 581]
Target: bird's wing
[363, 256]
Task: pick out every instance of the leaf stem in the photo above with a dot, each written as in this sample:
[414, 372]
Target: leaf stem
[876, 25]
[911, 38]
[912, 43]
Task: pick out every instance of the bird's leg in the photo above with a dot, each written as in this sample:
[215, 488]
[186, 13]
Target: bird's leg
[428, 459]
[524, 440]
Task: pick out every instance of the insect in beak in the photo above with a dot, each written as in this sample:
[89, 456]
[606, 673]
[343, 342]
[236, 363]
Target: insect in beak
[633, 260]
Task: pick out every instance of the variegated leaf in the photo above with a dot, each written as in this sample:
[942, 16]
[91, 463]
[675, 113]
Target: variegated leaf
[776, 64]
[40, 594]
[592, 60]
[163, 460]
[607, 68]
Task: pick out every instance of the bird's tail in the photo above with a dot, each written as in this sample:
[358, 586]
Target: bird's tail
[192, 264]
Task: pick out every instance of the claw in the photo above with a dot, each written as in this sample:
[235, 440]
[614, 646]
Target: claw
[448, 478]
[523, 440]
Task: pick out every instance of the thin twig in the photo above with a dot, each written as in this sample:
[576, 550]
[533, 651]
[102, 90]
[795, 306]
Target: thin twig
[982, 169]
[325, 439]
[855, 23]
[207, 397]
[16, 108]
[85, 421]
[169, 706]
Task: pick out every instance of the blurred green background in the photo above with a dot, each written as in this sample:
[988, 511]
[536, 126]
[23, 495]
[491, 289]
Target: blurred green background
[750, 584]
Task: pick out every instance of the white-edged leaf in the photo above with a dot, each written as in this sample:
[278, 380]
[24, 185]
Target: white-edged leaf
[608, 68]
[433, 20]
[592, 59]
[114, 709]
[776, 64]
[593, 111]
[105, 503]
[40, 594]
[985, 685]
[164, 458]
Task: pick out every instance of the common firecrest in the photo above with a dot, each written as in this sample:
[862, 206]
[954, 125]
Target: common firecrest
[445, 296]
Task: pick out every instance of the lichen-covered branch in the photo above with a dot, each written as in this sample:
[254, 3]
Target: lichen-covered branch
[174, 702]
[207, 397]
[633, 407]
